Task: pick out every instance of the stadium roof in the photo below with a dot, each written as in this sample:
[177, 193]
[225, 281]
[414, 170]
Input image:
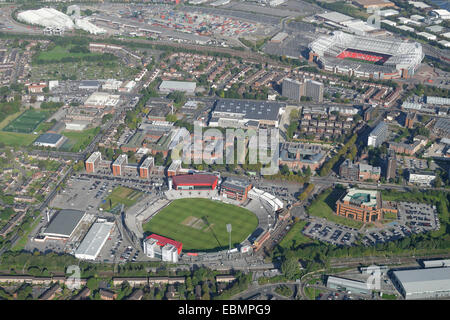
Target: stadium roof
[50, 138]
[64, 223]
[403, 54]
[194, 179]
[424, 280]
[162, 241]
[236, 184]
[94, 240]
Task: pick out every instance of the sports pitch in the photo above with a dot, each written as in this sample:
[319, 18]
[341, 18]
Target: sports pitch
[200, 224]
[27, 122]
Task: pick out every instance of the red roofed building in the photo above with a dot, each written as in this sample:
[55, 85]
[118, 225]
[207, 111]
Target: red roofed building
[156, 246]
[194, 182]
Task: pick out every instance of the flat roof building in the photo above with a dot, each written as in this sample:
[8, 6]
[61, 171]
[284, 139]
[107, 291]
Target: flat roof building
[183, 86]
[436, 263]
[52, 140]
[421, 177]
[102, 100]
[119, 164]
[430, 283]
[301, 155]
[145, 167]
[236, 189]
[348, 285]
[93, 161]
[361, 205]
[94, 241]
[238, 113]
[89, 85]
[64, 223]
[156, 246]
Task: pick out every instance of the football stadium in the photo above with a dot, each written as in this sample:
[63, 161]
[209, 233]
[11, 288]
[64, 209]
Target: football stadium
[366, 57]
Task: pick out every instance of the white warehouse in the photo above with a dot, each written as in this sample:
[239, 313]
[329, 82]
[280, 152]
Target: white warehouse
[47, 17]
[94, 241]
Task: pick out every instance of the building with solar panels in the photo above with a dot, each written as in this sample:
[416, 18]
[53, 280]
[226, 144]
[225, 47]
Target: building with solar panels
[430, 283]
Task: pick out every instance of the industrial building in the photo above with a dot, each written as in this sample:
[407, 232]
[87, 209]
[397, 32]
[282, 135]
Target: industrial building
[378, 135]
[102, 100]
[159, 247]
[242, 113]
[46, 17]
[89, 85]
[348, 285]
[193, 182]
[94, 241]
[389, 58]
[436, 263]
[63, 224]
[236, 189]
[49, 17]
[429, 283]
[51, 140]
[183, 86]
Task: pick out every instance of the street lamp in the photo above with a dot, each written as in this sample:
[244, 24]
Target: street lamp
[229, 232]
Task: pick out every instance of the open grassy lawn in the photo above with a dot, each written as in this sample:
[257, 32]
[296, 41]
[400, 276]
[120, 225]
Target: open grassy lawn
[14, 139]
[8, 119]
[324, 207]
[126, 196]
[200, 224]
[27, 121]
[295, 237]
[78, 140]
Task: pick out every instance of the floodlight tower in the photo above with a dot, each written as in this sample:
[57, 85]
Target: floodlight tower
[229, 232]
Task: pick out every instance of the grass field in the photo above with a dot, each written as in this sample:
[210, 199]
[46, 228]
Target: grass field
[78, 140]
[26, 122]
[295, 237]
[126, 196]
[200, 224]
[8, 119]
[324, 207]
[14, 139]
